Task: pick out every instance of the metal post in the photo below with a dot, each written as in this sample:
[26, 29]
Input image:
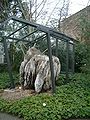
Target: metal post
[73, 58]
[56, 47]
[67, 60]
[51, 62]
[8, 63]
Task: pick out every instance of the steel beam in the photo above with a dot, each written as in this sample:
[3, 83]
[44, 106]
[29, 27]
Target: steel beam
[38, 26]
[5, 22]
[35, 40]
[12, 38]
[60, 35]
[39, 37]
[16, 30]
[17, 39]
[51, 62]
[56, 47]
[29, 34]
[67, 60]
[42, 28]
[73, 59]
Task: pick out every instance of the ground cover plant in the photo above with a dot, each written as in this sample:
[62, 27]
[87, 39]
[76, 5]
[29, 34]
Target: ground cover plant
[72, 100]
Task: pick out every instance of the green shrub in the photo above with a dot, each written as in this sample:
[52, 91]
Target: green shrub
[61, 80]
[82, 58]
[3, 68]
[5, 80]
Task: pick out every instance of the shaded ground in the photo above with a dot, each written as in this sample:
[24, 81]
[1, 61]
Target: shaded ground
[4, 116]
[15, 94]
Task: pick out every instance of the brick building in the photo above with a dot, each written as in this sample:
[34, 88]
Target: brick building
[71, 25]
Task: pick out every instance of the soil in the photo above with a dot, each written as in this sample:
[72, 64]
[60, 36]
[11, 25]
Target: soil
[15, 94]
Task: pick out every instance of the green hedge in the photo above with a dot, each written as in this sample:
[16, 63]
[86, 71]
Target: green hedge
[71, 100]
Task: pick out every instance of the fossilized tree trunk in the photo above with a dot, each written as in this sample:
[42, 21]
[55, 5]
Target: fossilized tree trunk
[35, 70]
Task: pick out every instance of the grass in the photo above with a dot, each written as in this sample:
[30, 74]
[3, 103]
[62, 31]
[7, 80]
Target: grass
[72, 100]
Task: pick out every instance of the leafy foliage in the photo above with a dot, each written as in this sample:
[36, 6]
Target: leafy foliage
[71, 100]
[83, 49]
[61, 80]
[5, 80]
[3, 68]
[82, 58]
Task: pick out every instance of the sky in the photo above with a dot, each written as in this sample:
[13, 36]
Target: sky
[49, 14]
[77, 5]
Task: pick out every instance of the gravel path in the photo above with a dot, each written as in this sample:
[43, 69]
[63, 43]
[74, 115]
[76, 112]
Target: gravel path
[5, 116]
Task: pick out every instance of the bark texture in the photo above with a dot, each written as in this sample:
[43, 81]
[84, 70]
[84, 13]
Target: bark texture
[35, 70]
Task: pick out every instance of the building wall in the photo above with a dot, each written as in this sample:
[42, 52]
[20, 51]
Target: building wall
[71, 25]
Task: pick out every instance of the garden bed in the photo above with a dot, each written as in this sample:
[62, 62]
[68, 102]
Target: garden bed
[15, 94]
[71, 100]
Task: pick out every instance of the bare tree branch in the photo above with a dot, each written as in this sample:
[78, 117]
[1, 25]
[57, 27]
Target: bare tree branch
[88, 2]
[21, 7]
[38, 6]
[42, 8]
[61, 10]
[52, 12]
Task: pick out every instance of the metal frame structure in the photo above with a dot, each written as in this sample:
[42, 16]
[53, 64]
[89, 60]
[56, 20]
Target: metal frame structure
[48, 32]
